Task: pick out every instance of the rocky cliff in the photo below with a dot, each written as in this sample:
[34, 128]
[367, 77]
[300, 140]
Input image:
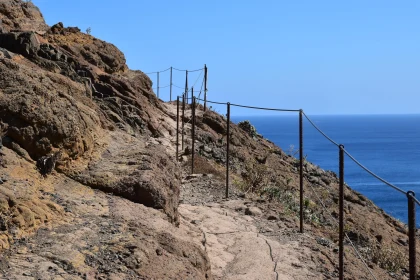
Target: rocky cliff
[69, 103]
[90, 186]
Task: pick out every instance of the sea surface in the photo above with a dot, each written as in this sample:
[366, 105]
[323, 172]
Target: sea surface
[388, 145]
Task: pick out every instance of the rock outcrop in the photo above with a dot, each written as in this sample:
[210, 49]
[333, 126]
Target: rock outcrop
[69, 98]
[18, 15]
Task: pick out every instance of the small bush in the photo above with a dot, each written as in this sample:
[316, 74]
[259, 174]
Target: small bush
[272, 192]
[248, 128]
[256, 176]
[388, 258]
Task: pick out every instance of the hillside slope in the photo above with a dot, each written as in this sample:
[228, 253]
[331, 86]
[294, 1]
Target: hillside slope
[90, 187]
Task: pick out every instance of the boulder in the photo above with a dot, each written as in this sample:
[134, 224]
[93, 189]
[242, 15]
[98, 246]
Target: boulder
[21, 15]
[24, 43]
[44, 112]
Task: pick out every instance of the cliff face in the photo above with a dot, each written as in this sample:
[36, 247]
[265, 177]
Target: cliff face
[89, 183]
[69, 103]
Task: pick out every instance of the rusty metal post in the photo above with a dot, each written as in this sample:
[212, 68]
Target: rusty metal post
[186, 86]
[177, 128]
[192, 135]
[412, 234]
[158, 84]
[227, 148]
[205, 87]
[182, 118]
[170, 87]
[341, 214]
[301, 159]
[192, 94]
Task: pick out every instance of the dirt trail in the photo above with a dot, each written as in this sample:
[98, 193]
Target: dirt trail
[243, 246]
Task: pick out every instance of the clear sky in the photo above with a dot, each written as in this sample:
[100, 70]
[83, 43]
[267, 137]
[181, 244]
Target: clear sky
[326, 57]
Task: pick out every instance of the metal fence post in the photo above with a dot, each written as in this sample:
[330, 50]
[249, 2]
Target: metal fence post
[157, 84]
[186, 86]
[170, 87]
[341, 213]
[182, 118]
[301, 167]
[412, 234]
[205, 87]
[192, 94]
[192, 135]
[177, 128]
[227, 148]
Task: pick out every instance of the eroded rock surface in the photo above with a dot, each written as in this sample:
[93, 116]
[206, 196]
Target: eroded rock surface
[68, 94]
[18, 15]
[57, 228]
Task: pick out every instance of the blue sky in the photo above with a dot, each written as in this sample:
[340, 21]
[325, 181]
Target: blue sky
[326, 57]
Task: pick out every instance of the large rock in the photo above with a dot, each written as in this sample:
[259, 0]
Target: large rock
[133, 168]
[21, 15]
[56, 228]
[45, 112]
[24, 43]
[87, 49]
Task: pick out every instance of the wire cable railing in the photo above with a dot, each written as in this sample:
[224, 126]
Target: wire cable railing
[171, 84]
[198, 78]
[347, 237]
[201, 89]
[183, 88]
[319, 130]
[162, 71]
[189, 71]
[410, 195]
[373, 174]
[265, 109]
[323, 134]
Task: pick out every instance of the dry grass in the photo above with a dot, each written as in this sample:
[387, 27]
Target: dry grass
[386, 257]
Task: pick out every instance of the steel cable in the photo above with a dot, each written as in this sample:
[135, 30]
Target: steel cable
[198, 78]
[347, 237]
[214, 102]
[201, 89]
[178, 87]
[157, 71]
[356, 161]
[373, 174]
[320, 131]
[415, 199]
[189, 71]
[267, 109]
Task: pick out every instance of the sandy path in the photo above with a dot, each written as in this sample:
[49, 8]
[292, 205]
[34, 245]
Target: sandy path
[238, 251]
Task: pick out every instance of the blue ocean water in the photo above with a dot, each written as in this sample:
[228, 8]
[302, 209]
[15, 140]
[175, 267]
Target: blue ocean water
[388, 145]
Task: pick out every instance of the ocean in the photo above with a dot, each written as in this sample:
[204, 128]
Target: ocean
[388, 145]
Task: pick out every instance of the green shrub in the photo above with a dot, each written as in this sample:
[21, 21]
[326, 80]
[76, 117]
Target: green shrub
[248, 128]
[388, 258]
[256, 176]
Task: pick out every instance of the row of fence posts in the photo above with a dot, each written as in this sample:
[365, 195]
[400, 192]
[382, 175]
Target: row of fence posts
[410, 194]
[186, 85]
